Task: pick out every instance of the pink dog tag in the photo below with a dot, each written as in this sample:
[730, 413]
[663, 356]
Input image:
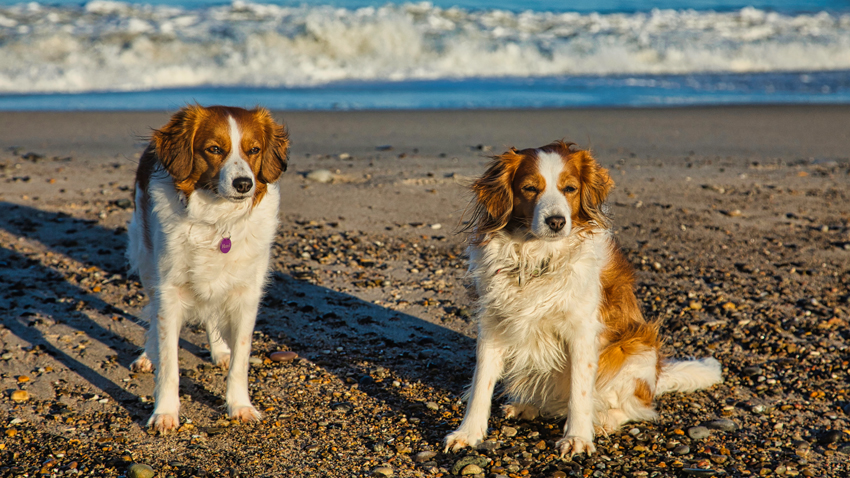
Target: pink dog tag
[224, 247]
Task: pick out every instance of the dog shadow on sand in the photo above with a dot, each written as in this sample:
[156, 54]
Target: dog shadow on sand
[71, 303]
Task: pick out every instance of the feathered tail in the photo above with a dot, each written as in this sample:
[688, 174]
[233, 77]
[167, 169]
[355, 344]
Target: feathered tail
[688, 375]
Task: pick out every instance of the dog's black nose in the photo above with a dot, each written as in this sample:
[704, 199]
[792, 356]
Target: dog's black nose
[242, 185]
[556, 223]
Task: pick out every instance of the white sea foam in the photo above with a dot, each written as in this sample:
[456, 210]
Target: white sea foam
[107, 45]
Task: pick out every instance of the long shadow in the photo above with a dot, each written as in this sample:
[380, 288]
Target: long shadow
[314, 318]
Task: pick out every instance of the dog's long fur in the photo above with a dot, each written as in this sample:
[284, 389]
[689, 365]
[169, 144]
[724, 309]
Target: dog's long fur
[559, 323]
[192, 192]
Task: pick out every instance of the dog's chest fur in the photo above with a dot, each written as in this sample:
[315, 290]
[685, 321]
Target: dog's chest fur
[534, 296]
[187, 236]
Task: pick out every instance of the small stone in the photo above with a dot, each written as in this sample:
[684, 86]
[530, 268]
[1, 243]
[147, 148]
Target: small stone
[384, 471]
[432, 405]
[255, 360]
[695, 305]
[471, 469]
[723, 424]
[7, 356]
[436, 226]
[320, 176]
[844, 449]
[424, 456]
[461, 464]
[541, 445]
[20, 396]
[729, 306]
[698, 433]
[830, 437]
[682, 450]
[509, 431]
[124, 203]
[344, 156]
[283, 356]
[559, 474]
[23, 379]
[634, 432]
[751, 371]
[699, 471]
[138, 470]
[342, 407]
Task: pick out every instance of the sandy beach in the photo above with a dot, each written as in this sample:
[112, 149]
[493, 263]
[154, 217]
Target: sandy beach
[736, 219]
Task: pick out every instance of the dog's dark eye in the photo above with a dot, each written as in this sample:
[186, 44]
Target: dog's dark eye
[214, 150]
[569, 189]
[254, 150]
[530, 189]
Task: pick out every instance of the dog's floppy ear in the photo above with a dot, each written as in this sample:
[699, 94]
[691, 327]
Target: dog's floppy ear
[276, 153]
[494, 198]
[595, 186]
[173, 142]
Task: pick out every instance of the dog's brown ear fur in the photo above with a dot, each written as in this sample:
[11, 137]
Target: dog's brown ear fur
[276, 152]
[493, 198]
[595, 186]
[173, 143]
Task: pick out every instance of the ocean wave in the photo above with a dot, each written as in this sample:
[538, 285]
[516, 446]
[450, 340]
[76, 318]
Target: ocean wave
[114, 46]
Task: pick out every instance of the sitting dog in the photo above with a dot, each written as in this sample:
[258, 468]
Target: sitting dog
[559, 323]
[200, 239]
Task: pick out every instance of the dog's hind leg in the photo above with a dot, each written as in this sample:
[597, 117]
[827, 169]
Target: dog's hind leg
[521, 411]
[219, 350]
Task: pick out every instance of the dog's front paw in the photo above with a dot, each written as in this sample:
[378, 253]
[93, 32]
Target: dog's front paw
[459, 439]
[520, 411]
[245, 413]
[162, 422]
[142, 364]
[573, 445]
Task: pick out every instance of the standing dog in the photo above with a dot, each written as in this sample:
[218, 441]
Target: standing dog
[558, 319]
[200, 238]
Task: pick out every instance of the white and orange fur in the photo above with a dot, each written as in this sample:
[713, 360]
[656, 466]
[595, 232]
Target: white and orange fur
[559, 323]
[208, 175]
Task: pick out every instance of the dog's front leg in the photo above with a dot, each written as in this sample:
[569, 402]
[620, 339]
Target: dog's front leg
[584, 361]
[241, 333]
[162, 348]
[488, 369]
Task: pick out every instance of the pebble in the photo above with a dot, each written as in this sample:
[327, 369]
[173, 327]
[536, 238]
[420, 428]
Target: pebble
[461, 464]
[509, 431]
[255, 360]
[7, 356]
[320, 176]
[138, 470]
[699, 471]
[283, 356]
[682, 450]
[432, 405]
[698, 433]
[20, 396]
[751, 371]
[634, 432]
[424, 456]
[382, 471]
[471, 469]
[830, 437]
[343, 407]
[722, 424]
[559, 474]
[695, 305]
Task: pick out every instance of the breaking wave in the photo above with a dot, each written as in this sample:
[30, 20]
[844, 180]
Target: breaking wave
[113, 46]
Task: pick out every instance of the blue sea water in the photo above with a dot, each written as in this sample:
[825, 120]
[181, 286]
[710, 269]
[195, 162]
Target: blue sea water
[361, 54]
